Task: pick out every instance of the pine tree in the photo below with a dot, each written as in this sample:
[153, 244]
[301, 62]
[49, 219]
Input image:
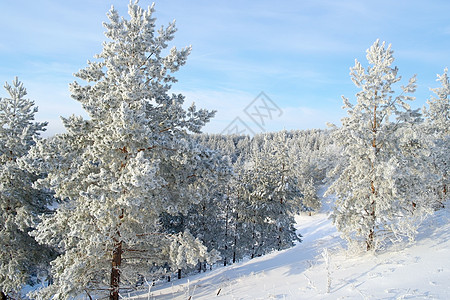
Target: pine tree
[271, 197]
[439, 107]
[438, 128]
[374, 199]
[125, 166]
[303, 162]
[187, 251]
[237, 200]
[221, 213]
[20, 204]
[311, 201]
[206, 219]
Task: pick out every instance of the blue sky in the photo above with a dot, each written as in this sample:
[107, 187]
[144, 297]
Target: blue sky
[297, 52]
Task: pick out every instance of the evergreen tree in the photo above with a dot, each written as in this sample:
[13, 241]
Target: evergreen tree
[374, 194]
[271, 197]
[206, 220]
[438, 127]
[311, 201]
[20, 204]
[237, 201]
[302, 162]
[125, 166]
[438, 113]
[187, 251]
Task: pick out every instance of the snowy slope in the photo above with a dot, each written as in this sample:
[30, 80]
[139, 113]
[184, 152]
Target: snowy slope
[418, 271]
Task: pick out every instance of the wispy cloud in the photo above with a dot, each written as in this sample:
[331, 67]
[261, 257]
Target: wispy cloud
[232, 104]
[298, 52]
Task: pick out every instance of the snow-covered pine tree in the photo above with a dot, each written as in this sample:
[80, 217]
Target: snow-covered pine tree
[371, 204]
[437, 124]
[302, 162]
[20, 204]
[125, 166]
[222, 216]
[287, 197]
[271, 197]
[237, 200]
[206, 219]
[311, 201]
[187, 251]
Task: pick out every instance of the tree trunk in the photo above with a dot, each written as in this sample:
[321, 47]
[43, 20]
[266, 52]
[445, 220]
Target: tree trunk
[2, 296]
[371, 236]
[369, 241]
[226, 233]
[253, 244]
[235, 242]
[253, 235]
[115, 272]
[375, 125]
[179, 273]
[280, 231]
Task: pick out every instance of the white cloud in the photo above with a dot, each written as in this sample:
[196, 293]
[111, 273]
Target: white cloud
[299, 52]
[231, 104]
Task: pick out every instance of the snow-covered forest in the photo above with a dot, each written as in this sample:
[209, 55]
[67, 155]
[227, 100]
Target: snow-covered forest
[135, 195]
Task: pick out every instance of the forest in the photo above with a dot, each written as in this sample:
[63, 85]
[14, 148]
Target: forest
[137, 193]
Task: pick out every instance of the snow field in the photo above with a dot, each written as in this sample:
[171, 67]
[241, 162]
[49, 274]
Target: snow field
[417, 271]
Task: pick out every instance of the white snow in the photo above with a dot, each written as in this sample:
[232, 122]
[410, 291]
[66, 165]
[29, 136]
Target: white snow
[412, 271]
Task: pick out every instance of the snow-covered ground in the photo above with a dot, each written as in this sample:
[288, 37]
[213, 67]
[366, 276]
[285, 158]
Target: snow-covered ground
[417, 271]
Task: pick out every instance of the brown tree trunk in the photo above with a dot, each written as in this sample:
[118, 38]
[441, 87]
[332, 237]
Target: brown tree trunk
[115, 272]
[2, 296]
[371, 236]
[253, 241]
[235, 244]
[226, 231]
[280, 229]
[369, 241]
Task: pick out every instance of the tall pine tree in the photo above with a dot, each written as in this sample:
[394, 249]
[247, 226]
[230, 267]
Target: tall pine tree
[20, 204]
[270, 197]
[125, 166]
[437, 125]
[375, 200]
